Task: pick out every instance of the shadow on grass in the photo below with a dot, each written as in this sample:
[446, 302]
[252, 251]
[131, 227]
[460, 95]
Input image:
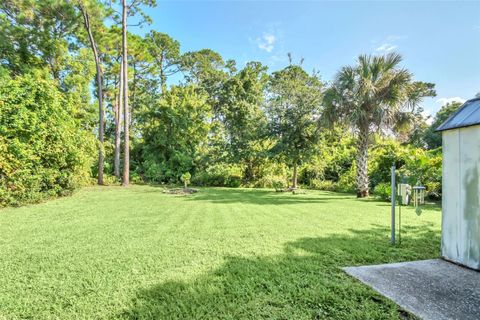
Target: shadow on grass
[432, 206]
[263, 196]
[306, 281]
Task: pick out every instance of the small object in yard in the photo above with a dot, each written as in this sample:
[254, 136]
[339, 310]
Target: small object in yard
[290, 189]
[418, 195]
[180, 191]
[185, 178]
[404, 192]
[418, 211]
[296, 191]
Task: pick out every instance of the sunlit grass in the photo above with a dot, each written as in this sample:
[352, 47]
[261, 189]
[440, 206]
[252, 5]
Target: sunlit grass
[135, 252]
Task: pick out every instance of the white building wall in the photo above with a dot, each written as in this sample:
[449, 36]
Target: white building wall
[461, 196]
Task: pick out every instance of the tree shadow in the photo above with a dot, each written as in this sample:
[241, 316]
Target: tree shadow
[306, 281]
[263, 196]
[427, 206]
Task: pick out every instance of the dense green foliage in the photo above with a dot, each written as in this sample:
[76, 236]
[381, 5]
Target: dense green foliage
[415, 166]
[333, 169]
[374, 95]
[431, 138]
[175, 129]
[43, 150]
[66, 77]
[47, 119]
[197, 112]
[221, 253]
[294, 111]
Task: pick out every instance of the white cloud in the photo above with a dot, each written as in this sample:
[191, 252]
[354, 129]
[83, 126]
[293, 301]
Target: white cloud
[271, 42]
[267, 42]
[386, 47]
[444, 101]
[387, 44]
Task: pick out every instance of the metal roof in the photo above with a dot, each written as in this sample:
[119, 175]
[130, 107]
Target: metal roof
[467, 115]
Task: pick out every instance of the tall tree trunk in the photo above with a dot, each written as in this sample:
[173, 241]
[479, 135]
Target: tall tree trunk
[118, 124]
[133, 105]
[101, 124]
[295, 176]
[362, 163]
[126, 113]
[249, 171]
[162, 75]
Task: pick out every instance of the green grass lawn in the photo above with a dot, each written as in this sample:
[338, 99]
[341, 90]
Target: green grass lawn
[112, 252]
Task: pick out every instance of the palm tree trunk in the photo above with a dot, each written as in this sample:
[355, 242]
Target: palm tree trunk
[362, 163]
[118, 125]
[126, 114]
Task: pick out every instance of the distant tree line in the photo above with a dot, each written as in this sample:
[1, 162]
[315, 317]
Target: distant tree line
[157, 112]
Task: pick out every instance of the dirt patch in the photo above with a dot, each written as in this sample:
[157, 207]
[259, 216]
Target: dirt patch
[181, 191]
[290, 189]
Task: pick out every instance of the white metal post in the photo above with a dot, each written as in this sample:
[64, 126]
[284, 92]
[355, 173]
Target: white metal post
[393, 204]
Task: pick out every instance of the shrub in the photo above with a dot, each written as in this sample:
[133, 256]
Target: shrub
[425, 167]
[381, 157]
[277, 182]
[219, 175]
[135, 178]
[111, 180]
[271, 174]
[153, 171]
[347, 181]
[383, 191]
[326, 185]
[414, 164]
[44, 151]
[334, 156]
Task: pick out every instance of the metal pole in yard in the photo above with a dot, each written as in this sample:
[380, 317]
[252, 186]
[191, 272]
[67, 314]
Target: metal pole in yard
[393, 204]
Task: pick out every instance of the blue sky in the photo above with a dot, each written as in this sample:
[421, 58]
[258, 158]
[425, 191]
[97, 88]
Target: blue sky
[440, 41]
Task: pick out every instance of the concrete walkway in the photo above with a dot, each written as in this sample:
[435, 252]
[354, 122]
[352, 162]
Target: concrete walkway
[430, 289]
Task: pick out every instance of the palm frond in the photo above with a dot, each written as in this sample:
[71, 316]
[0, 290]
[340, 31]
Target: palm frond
[373, 92]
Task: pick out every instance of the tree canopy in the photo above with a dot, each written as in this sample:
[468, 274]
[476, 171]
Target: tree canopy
[75, 72]
[373, 96]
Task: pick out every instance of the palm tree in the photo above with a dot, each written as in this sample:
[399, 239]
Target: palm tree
[373, 96]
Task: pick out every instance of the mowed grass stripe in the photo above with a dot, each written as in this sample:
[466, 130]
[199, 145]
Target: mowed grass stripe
[137, 253]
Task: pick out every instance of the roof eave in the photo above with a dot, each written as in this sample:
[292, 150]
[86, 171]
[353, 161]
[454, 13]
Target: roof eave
[443, 126]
